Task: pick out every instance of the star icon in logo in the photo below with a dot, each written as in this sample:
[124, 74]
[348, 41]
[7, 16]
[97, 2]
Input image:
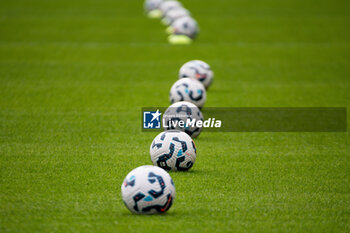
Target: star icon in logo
[156, 115]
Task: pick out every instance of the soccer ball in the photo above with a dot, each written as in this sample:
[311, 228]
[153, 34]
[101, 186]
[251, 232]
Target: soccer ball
[174, 14]
[169, 5]
[173, 150]
[199, 70]
[183, 111]
[188, 89]
[151, 5]
[148, 190]
[185, 26]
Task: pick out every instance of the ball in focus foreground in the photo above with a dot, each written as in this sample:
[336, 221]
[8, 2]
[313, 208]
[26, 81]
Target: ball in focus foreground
[173, 150]
[188, 89]
[148, 190]
[183, 111]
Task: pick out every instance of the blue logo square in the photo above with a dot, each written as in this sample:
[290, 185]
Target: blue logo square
[151, 120]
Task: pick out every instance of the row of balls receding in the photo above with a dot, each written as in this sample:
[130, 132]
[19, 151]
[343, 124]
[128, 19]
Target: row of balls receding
[181, 26]
[150, 189]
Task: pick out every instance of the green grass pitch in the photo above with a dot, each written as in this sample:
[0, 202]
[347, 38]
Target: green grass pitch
[75, 74]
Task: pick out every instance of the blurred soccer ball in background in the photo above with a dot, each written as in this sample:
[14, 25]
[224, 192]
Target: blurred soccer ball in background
[174, 14]
[199, 70]
[185, 26]
[166, 6]
[151, 5]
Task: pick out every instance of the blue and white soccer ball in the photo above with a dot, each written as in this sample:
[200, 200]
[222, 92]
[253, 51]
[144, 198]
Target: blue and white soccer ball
[190, 90]
[199, 70]
[166, 6]
[148, 190]
[174, 14]
[173, 150]
[185, 26]
[183, 111]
